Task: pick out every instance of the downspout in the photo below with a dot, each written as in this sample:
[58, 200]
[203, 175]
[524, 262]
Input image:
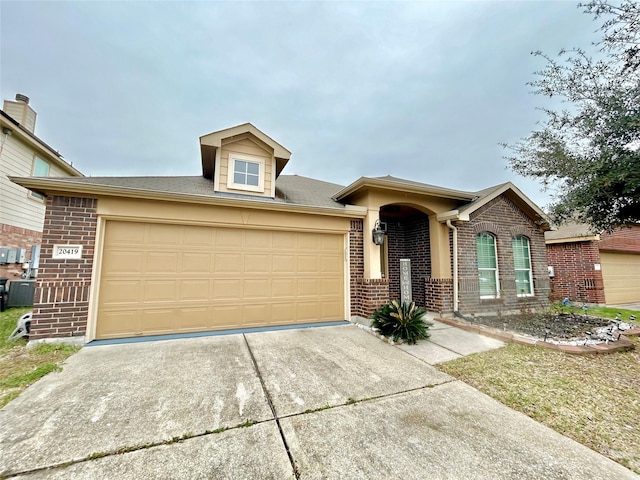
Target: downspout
[455, 265]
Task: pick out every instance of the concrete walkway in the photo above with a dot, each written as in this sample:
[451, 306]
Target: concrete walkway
[317, 403]
[448, 343]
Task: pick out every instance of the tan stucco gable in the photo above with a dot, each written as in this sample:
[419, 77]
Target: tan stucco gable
[211, 144]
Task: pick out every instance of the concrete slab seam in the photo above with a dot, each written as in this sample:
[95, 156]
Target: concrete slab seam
[134, 448]
[352, 401]
[296, 473]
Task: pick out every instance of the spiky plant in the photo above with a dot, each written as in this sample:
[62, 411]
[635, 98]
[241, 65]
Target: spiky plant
[401, 321]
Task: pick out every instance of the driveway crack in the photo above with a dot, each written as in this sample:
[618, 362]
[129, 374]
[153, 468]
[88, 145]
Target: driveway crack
[296, 473]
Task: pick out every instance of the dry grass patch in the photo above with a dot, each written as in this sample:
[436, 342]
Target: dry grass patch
[20, 366]
[593, 399]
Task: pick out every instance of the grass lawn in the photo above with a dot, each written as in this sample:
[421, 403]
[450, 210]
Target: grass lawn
[594, 399]
[604, 312]
[19, 366]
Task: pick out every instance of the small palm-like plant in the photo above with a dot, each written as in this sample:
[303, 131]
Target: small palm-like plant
[401, 321]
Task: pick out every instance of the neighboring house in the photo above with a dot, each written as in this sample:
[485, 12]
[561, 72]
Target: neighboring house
[21, 210]
[243, 245]
[594, 268]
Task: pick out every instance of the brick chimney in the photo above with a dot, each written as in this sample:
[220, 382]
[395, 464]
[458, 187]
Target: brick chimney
[21, 112]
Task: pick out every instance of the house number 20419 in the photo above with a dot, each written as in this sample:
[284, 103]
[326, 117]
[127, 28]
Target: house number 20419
[67, 251]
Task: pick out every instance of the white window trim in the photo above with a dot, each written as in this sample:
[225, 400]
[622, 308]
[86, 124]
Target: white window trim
[530, 269]
[231, 169]
[495, 270]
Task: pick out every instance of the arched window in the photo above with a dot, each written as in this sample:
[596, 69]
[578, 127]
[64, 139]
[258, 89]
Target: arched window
[522, 265]
[487, 265]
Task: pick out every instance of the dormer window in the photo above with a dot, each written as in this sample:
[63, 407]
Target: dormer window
[248, 173]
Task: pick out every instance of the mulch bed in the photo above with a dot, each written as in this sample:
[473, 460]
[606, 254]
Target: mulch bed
[557, 326]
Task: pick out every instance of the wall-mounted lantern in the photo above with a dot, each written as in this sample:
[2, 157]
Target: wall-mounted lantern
[377, 234]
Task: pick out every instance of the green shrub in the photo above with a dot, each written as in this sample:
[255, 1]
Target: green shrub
[401, 321]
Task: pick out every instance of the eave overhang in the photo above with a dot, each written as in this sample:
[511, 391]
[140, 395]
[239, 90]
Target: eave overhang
[59, 186]
[364, 183]
[38, 145]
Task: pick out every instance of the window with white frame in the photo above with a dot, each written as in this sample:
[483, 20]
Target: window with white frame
[487, 265]
[40, 169]
[246, 173]
[522, 265]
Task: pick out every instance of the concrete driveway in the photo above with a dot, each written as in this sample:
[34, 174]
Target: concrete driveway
[318, 403]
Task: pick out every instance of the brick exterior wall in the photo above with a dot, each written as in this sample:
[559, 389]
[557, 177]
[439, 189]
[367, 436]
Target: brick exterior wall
[409, 238]
[502, 218]
[61, 301]
[624, 239]
[16, 237]
[438, 295]
[366, 294]
[575, 276]
[372, 294]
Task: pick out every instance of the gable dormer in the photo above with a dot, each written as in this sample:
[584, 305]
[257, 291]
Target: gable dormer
[242, 160]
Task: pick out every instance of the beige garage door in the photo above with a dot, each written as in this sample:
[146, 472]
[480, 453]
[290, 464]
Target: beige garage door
[621, 276]
[159, 279]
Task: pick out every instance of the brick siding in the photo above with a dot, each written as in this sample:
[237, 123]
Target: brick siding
[502, 218]
[366, 294]
[409, 238]
[16, 237]
[624, 239]
[61, 303]
[438, 295]
[575, 276]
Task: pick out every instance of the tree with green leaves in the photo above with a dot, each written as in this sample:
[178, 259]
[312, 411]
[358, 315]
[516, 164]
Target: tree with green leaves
[589, 151]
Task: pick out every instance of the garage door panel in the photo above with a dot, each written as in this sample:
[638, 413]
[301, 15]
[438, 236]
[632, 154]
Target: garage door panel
[158, 321]
[119, 292]
[195, 263]
[165, 263]
[309, 311]
[225, 316]
[283, 288]
[331, 265]
[163, 235]
[283, 241]
[124, 233]
[284, 264]
[307, 287]
[256, 239]
[195, 290]
[283, 313]
[307, 264]
[257, 263]
[329, 286]
[194, 319]
[158, 279]
[621, 277]
[256, 288]
[118, 324]
[331, 308]
[123, 262]
[227, 263]
[159, 291]
[254, 315]
[227, 289]
[229, 238]
[198, 237]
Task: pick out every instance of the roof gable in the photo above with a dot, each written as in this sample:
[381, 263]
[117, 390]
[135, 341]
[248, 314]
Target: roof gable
[211, 142]
[485, 196]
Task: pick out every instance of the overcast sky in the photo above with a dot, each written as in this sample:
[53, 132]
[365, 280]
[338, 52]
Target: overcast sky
[423, 91]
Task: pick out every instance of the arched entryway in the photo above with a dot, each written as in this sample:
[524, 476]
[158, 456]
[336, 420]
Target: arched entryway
[407, 237]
